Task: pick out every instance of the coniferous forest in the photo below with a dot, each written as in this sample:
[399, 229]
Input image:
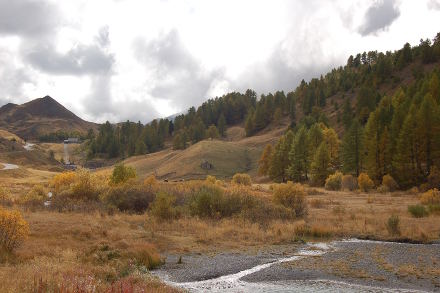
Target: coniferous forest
[388, 121]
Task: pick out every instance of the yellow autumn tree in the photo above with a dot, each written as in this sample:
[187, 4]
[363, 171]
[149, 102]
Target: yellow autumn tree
[265, 160]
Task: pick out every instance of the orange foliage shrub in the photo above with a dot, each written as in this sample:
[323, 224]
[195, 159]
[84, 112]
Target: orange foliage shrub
[13, 229]
[62, 181]
[348, 183]
[242, 179]
[431, 197]
[365, 183]
[151, 183]
[389, 183]
[291, 195]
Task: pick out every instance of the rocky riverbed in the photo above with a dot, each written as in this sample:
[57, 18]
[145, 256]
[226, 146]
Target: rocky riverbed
[339, 266]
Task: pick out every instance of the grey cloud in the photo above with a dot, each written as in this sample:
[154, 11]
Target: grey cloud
[31, 18]
[434, 4]
[82, 59]
[12, 79]
[100, 105]
[379, 16]
[276, 74]
[179, 77]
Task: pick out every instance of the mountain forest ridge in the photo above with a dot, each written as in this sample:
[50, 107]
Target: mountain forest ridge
[372, 96]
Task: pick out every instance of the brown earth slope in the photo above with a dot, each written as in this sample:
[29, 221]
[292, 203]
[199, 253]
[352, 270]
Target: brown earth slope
[40, 116]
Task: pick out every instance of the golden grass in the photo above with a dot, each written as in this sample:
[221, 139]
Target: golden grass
[361, 214]
[96, 249]
[91, 250]
[9, 136]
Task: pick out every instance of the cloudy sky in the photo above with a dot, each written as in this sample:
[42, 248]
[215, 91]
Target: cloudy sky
[127, 59]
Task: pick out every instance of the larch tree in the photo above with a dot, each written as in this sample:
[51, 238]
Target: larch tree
[352, 146]
[299, 157]
[321, 165]
[265, 160]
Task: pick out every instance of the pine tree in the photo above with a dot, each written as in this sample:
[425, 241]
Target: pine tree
[249, 126]
[321, 165]
[372, 151]
[331, 139]
[212, 132]
[265, 160]
[347, 114]
[352, 149]
[299, 157]
[385, 156]
[221, 125]
[405, 158]
[278, 170]
[315, 137]
[141, 148]
[427, 128]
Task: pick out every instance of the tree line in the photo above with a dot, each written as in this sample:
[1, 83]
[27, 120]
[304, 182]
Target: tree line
[363, 74]
[400, 137]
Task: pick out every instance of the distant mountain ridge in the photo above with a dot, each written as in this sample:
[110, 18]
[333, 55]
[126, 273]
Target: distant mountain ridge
[41, 116]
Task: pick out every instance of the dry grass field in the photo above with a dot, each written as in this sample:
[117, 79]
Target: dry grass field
[96, 251]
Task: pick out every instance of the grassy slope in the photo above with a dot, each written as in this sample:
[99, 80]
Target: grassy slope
[234, 154]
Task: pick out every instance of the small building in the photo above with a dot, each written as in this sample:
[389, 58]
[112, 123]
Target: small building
[71, 140]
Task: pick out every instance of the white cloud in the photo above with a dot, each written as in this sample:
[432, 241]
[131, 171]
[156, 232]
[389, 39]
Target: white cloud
[135, 60]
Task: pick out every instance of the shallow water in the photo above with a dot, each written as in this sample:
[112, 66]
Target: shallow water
[8, 166]
[234, 282]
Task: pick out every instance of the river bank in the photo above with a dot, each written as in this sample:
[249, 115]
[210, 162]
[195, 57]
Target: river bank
[347, 266]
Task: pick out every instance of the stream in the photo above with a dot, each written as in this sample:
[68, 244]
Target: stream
[8, 166]
[283, 275]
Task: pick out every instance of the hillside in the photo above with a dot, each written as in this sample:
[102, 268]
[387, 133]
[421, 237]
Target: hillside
[40, 116]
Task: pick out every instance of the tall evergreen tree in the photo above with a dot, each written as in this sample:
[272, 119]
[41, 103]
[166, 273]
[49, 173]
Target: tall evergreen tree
[321, 165]
[352, 149]
[299, 157]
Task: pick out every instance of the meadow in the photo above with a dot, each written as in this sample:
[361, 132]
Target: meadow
[105, 231]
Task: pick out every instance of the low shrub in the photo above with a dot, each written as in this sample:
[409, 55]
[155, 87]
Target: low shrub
[62, 181]
[212, 202]
[434, 178]
[151, 183]
[122, 174]
[34, 198]
[434, 209]
[389, 182]
[262, 212]
[393, 225]
[5, 198]
[163, 206]
[210, 179]
[83, 186]
[318, 203]
[292, 196]
[365, 183]
[431, 197]
[13, 229]
[334, 181]
[128, 198]
[146, 255]
[242, 179]
[383, 189]
[348, 183]
[418, 211]
[414, 190]
[314, 231]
